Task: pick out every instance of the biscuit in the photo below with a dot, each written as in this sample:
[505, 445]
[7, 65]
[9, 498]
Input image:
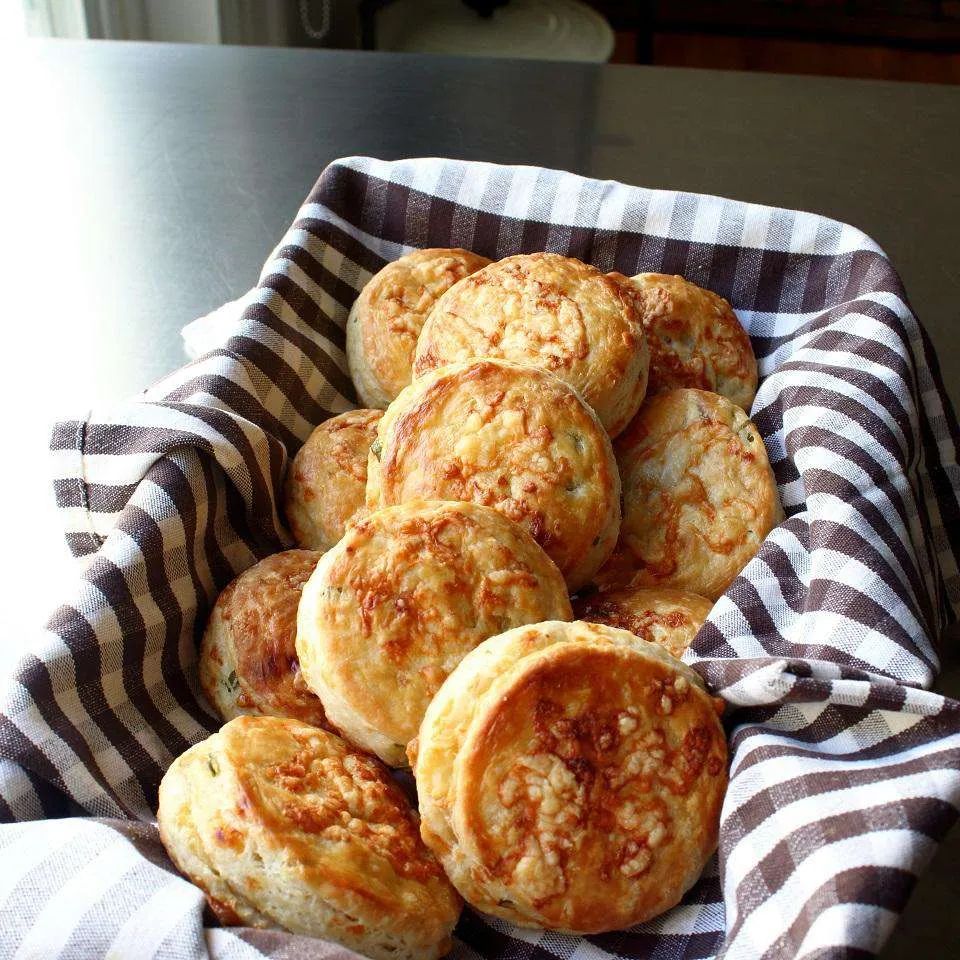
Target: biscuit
[570, 776]
[695, 338]
[386, 318]
[670, 618]
[698, 495]
[326, 481]
[283, 825]
[398, 602]
[248, 663]
[551, 311]
[512, 437]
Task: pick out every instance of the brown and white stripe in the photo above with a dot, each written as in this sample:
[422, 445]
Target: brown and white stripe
[845, 768]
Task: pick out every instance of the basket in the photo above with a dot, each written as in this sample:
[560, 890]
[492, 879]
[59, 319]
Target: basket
[845, 768]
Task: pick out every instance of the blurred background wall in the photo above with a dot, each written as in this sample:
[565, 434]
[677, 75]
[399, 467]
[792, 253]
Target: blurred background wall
[891, 39]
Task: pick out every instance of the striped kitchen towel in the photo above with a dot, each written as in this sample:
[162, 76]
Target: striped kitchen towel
[845, 767]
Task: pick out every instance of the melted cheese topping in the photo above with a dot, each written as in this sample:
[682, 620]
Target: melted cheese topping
[327, 479]
[670, 618]
[551, 311]
[395, 606]
[248, 659]
[694, 337]
[387, 318]
[511, 437]
[699, 495]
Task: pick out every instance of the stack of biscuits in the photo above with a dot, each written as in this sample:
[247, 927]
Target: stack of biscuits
[501, 562]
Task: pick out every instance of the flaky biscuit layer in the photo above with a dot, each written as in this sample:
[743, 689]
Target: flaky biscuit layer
[551, 311]
[326, 481]
[509, 436]
[283, 825]
[386, 319]
[694, 338]
[698, 495]
[248, 661]
[570, 776]
[398, 602]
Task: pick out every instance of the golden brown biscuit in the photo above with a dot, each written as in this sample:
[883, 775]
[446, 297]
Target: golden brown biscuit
[285, 826]
[670, 618]
[570, 776]
[551, 311]
[386, 318]
[395, 605]
[698, 495]
[512, 437]
[326, 481]
[695, 338]
[248, 662]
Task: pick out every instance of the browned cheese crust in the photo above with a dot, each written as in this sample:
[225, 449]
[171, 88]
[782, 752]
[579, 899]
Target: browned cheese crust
[394, 607]
[508, 436]
[248, 660]
[552, 311]
[285, 826]
[698, 495]
[326, 481]
[571, 777]
[386, 319]
[670, 618]
[694, 337]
